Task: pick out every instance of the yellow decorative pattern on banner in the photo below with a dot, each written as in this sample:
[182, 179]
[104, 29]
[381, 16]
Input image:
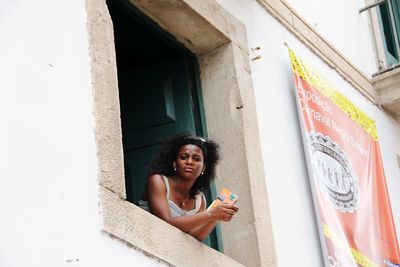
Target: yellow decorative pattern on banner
[360, 258]
[326, 88]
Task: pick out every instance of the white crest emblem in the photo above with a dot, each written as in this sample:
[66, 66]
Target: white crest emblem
[334, 173]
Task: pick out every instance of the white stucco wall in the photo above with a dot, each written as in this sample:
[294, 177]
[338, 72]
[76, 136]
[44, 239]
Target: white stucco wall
[48, 170]
[294, 227]
[343, 26]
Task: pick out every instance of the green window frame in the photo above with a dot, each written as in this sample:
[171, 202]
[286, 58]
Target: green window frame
[389, 20]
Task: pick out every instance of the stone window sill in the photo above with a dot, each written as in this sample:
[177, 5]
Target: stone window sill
[159, 239]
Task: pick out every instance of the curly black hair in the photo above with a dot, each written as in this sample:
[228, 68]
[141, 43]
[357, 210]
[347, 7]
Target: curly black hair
[163, 163]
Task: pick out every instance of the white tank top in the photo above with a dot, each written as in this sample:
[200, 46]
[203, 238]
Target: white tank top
[176, 211]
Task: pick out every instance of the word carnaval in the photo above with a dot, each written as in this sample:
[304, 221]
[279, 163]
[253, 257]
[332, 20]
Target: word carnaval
[323, 117]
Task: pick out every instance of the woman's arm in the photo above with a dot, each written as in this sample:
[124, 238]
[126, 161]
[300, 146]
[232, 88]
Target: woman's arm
[156, 192]
[204, 230]
[198, 225]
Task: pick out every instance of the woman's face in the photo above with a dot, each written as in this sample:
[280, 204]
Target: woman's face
[189, 162]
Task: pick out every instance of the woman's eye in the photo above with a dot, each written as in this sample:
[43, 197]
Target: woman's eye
[184, 157]
[197, 159]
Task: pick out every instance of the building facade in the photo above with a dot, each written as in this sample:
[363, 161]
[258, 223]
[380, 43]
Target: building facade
[64, 173]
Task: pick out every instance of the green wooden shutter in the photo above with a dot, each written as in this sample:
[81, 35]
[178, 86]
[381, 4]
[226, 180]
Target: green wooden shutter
[390, 31]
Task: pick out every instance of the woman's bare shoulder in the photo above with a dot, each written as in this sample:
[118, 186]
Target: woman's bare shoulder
[155, 183]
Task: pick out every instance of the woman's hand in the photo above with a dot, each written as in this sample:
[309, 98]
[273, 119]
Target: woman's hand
[223, 212]
[198, 225]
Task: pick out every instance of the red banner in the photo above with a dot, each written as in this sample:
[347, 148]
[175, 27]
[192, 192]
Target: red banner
[346, 175]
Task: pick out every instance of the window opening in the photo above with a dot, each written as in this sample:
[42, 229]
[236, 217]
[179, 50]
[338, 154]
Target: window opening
[159, 93]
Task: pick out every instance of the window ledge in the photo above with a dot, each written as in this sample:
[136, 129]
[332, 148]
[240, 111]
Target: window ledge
[388, 87]
[154, 236]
